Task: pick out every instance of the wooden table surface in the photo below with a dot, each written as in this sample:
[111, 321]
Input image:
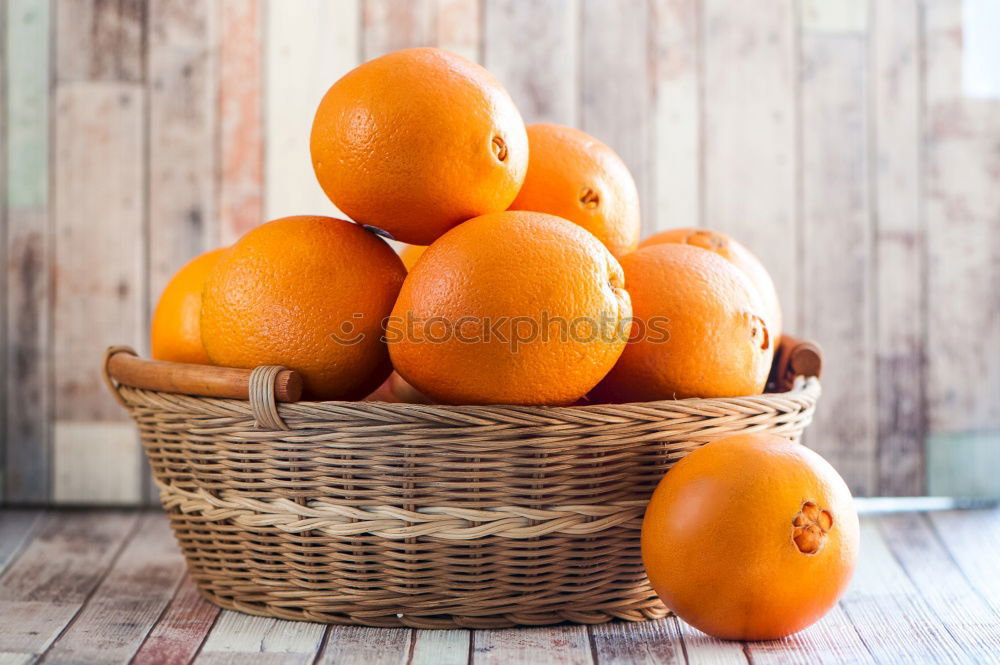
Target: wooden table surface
[110, 587]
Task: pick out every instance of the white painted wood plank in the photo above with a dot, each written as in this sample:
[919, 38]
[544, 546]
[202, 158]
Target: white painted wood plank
[750, 147]
[309, 45]
[943, 585]
[179, 633]
[235, 636]
[675, 74]
[963, 238]
[100, 273]
[549, 645]
[972, 538]
[638, 643]
[96, 463]
[114, 622]
[615, 90]
[833, 17]
[26, 248]
[371, 646]
[533, 49]
[893, 621]
[440, 647]
[55, 574]
[836, 243]
[899, 245]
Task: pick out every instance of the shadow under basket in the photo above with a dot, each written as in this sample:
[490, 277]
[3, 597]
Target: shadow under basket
[384, 514]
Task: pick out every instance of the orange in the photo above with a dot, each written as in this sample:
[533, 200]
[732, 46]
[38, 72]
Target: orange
[417, 141]
[512, 308]
[410, 254]
[573, 175]
[308, 293]
[739, 256]
[175, 333]
[698, 329]
[750, 537]
[396, 389]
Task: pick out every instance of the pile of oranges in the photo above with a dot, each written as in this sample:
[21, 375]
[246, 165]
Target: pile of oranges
[522, 281]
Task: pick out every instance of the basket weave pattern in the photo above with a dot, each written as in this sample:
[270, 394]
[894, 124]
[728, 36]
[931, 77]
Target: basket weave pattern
[427, 516]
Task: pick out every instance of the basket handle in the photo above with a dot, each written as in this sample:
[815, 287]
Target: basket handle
[123, 367]
[794, 357]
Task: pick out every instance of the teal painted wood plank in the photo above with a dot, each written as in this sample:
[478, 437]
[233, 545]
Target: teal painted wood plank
[26, 250]
[27, 72]
[964, 464]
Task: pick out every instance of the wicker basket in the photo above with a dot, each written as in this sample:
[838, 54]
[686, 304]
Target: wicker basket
[412, 515]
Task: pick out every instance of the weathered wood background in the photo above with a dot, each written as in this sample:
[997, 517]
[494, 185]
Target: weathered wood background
[852, 144]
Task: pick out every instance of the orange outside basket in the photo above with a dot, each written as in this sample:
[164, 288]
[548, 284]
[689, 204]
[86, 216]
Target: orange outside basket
[427, 516]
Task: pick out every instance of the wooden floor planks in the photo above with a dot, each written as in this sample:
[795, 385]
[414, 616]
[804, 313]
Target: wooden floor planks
[128, 603]
[55, 574]
[109, 587]
[180, 631]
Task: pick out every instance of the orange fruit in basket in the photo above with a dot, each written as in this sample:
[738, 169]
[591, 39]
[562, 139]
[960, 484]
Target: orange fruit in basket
[395, 389]
[175, 332]
[699, 329]
[739, 256]
[510, 308]
[417, 141]
[573, 175]
[308, 293]
[750, 537]
[410, 254]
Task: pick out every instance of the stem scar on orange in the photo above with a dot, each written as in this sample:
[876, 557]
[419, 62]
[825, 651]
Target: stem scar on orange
[750, 537]
[698, 329]
[573, 175]
[739, 256]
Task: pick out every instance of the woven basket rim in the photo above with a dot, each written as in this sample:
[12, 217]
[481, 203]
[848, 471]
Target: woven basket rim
[805, 386]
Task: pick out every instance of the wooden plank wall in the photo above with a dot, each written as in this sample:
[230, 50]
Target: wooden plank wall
[836, 138]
